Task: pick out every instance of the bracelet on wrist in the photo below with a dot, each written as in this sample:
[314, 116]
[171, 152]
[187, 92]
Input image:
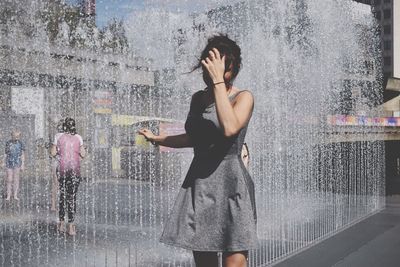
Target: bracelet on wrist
[218, 83]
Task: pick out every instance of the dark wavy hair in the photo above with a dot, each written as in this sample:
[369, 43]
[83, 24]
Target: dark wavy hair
[228, 48]
[69, 126]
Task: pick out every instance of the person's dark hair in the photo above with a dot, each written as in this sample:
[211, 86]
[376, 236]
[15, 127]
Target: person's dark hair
[69, 126]
[60, 126]
[227, 48]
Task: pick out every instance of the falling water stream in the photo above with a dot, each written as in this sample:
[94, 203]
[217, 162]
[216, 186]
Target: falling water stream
[302, 60]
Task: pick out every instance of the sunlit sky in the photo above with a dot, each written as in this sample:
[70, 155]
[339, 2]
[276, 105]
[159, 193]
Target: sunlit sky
[108, 9]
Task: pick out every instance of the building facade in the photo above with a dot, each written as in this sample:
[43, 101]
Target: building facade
[387, 13]
[106, 92]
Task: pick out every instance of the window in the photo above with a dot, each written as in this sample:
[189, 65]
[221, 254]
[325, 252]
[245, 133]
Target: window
[387, 45]
[378, 15]
[387, 61]
[387, 29]
[377, 2]
[387, 14]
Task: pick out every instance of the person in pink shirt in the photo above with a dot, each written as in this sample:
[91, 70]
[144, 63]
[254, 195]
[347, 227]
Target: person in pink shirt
[69, 147]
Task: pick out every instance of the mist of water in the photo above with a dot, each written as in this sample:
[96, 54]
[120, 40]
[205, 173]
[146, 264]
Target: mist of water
[302, 61]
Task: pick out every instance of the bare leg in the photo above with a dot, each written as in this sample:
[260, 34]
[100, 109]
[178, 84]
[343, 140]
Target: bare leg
[61, 227]
[72, 229]
[9, 182]
[205, 258]
[235, 259]
[16, 183]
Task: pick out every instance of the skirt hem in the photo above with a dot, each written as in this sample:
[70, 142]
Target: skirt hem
[194, 248]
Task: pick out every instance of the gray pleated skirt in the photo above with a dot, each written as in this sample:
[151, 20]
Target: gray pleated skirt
[215, 208]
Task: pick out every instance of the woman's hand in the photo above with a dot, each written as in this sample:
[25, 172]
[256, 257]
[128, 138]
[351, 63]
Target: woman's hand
[147, 134]
[215, 65]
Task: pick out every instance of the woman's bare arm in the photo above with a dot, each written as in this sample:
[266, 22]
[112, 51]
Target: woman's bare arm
[53, 150]
[82, 151]
[234, 117]
[174, 141]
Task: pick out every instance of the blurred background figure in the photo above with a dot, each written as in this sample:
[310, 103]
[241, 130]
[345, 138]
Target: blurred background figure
[14, 159]
[69, 146]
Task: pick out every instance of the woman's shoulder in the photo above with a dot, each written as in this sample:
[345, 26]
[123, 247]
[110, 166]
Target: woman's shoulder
[243, 98]
[243, 94]
[79, 138]
[239, 91]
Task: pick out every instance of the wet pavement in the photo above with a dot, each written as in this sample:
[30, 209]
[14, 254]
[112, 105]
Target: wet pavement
[373, 242]
[115, 227]
[118, 226]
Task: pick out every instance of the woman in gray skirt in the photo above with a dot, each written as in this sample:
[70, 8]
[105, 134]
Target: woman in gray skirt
[215, 208]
